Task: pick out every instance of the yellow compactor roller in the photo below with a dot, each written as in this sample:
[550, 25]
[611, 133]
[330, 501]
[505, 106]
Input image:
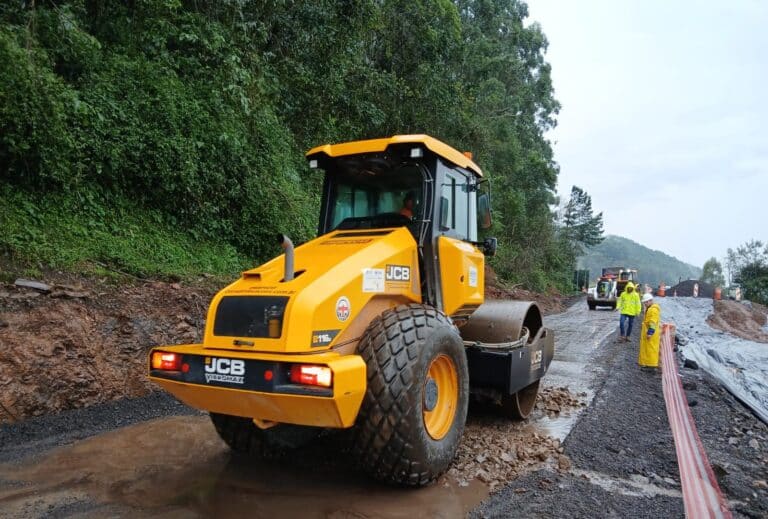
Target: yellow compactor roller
[379, 324]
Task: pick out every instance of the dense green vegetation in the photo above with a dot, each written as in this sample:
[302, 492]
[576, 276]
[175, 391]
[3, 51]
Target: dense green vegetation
[124, 239]
[748, 266]
[653, 266]
[155, 135]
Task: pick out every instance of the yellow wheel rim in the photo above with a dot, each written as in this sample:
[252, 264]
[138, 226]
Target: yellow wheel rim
[440, 396]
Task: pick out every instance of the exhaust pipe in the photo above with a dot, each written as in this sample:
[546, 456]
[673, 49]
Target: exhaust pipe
[287, 245]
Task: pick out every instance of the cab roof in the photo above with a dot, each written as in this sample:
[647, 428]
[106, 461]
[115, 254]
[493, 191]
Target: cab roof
[380, 145]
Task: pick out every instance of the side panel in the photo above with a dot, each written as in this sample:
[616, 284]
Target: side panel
[462, 276]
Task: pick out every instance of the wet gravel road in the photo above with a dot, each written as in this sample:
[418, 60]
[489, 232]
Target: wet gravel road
[623, 461]
[153, 457]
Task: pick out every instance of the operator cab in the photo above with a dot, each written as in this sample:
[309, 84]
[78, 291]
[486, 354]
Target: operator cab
[604, 288]
[411, 181]
[365, 188]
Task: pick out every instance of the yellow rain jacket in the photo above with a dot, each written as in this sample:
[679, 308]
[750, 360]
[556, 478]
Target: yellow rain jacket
[629, 303]
[649, 346]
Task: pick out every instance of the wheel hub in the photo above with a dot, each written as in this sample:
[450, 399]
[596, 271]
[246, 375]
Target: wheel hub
[430, 394]
[441, 396]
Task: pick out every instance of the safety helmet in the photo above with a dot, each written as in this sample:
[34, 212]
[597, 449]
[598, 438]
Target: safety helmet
[647, 297]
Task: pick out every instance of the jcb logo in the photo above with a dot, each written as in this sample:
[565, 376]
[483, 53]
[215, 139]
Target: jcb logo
[536, 358]
[398, 273]
[225, 366]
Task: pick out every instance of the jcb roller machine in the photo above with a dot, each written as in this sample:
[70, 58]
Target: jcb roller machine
[379, 324]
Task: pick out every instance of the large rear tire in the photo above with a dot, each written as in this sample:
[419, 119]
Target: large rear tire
[412, 417]
[244, 437]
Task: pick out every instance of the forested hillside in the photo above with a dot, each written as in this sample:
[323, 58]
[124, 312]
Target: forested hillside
[653, 266]
[166, 137]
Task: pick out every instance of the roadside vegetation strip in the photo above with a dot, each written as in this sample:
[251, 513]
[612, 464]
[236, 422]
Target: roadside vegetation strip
[701, 494]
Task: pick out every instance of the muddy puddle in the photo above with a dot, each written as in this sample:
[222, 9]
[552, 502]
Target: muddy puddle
[178, 467]
[556, 427]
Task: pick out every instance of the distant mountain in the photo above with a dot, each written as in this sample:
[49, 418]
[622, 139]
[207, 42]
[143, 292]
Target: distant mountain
[653, 266]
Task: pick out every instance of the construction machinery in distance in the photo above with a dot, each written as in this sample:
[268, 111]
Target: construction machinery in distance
[378, 325]
[625, 276]
[610, 285]
[603, 293]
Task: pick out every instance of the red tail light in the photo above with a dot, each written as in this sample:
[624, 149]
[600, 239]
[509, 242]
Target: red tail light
[166, 361]
[311, 375]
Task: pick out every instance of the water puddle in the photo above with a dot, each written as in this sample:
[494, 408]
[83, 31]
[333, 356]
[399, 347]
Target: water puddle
[179, 466]
[637, 486]
[557, 426]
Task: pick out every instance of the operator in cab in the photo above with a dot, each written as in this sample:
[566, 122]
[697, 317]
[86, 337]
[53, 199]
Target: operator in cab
[408, 204]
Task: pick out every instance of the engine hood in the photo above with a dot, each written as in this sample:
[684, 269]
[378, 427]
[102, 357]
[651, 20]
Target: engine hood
[335, 277]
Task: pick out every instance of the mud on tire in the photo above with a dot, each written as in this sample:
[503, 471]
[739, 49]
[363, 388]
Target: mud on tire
[244, 437]
[392, 441]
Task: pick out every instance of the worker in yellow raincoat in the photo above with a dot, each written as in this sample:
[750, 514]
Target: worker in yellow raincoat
[650, 334]
[629, 307]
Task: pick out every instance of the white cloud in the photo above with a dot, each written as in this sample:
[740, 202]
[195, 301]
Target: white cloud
[664, 119]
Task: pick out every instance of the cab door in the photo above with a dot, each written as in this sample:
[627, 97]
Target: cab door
[460, 264]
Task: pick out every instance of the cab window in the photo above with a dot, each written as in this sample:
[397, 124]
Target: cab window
[367, 198]
[454, 205]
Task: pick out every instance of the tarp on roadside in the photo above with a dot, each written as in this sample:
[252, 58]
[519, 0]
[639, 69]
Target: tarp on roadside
[740, 365]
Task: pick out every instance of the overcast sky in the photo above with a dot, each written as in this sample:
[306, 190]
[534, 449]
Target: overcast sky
[664, 120]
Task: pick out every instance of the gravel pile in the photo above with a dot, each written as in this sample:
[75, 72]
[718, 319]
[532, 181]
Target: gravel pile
[496, 450]
[556, 399]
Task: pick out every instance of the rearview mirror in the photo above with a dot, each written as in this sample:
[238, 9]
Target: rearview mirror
[489, 246]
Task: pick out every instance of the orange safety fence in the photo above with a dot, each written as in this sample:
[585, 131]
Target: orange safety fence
[701, 494]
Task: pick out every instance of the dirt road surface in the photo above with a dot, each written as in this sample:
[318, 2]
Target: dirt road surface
[152, 457]
[177, 465]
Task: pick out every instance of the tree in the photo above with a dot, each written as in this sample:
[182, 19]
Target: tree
[730, 265]
[753, 252]
[754, 282]
[712, 273]
[581, 227]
